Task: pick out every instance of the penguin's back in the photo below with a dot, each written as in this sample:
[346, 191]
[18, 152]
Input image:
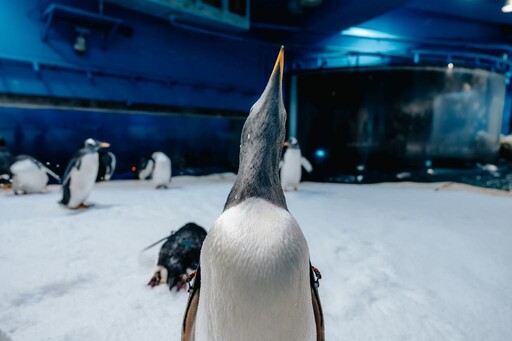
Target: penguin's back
[28, 176]
[258, 287]
[162, 169]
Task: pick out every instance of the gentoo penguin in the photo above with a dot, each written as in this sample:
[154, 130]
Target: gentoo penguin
[159, 169]
[254, 281]
[291, 166]
[106, 166]
[178, 256]
[29, 175]
[80, 174]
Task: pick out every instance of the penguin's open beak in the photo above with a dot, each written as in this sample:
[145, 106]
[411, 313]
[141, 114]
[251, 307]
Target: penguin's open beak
[104, 144]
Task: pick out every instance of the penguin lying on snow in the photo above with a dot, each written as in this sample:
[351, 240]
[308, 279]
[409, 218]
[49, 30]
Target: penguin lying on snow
[255, 281]
[158, 168]
[81, 173]
[29, 175]
[291, 166]
[178, 256]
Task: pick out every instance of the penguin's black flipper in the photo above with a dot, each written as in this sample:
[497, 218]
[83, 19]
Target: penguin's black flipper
[74, 163]
[317, 307]
[189, 319]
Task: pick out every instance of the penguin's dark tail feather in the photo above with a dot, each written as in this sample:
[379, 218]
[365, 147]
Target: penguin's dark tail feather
[155, 243]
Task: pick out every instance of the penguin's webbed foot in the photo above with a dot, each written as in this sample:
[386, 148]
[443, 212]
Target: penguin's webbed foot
[155, 280]
[182, 283]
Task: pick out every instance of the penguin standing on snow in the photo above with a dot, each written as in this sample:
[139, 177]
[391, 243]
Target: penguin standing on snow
[29, 175]
[81, 174]
[255, 281]
[158, 168]
[291, 166]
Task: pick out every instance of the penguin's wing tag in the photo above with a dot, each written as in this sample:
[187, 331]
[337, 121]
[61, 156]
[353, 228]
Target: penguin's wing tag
[317, 306]
[305, 163]
[189, 319]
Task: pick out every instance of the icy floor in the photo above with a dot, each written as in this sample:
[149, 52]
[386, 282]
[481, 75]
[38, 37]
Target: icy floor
[400, 261]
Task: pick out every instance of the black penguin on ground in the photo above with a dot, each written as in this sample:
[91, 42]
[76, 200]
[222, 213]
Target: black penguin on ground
[81, 173]
[178, 256]
[255, 281]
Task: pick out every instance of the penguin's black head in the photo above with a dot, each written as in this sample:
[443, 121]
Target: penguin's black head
[93, 144]
[261, 145]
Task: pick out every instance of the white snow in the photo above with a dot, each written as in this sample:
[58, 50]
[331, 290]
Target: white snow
[399, 261]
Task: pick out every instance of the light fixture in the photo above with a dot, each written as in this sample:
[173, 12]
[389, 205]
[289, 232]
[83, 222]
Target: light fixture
[80, 44]
[450, 65]
[507, 7]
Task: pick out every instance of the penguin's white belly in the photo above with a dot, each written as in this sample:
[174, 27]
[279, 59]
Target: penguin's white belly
[83, 179]
[291, 171]
[28, 177]
[255, 281]
[162, 172]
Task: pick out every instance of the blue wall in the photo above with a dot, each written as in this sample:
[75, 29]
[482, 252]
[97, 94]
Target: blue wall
[192, 141]
[156, 64]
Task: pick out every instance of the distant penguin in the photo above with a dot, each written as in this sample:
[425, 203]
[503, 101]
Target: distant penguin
[107, 165]
[5, 158]
[158, 169]
[146, 169]
[179, 256]
[291, 166]
[255, 281]
[29, 175]
[81, 173]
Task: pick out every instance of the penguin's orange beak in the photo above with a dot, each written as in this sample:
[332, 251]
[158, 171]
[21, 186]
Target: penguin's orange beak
[104, 144]
[285, 144]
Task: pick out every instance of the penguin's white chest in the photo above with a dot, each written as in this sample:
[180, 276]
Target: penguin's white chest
[291, 171]
[255, 277]
[28, 177]
[82, 179]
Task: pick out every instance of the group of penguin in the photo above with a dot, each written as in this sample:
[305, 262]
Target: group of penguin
[253, 278]
[88, 165]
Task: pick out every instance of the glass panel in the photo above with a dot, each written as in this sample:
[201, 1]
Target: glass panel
[395, 118]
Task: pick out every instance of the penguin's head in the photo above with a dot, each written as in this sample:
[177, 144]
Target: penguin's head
[95, 145]
[292, 143]
[265, 125]
[261, 145]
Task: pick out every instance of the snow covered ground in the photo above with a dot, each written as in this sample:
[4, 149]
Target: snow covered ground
[399, 261]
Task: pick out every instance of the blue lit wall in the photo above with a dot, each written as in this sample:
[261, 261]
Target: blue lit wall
[192, 142]
[156, 64]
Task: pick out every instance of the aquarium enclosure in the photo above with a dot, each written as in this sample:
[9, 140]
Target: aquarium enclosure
[395, 118]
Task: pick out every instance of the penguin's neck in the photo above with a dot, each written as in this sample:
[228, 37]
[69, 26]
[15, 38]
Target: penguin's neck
[258, 175]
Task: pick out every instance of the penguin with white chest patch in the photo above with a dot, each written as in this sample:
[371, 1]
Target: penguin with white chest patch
[158, 167]
[29, 175]
[255, 281]
[291, 166]
[81, 174]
